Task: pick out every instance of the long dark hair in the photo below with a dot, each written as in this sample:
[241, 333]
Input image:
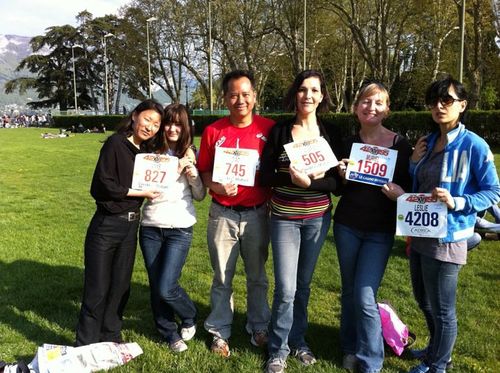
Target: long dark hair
[290, 100]
[126, 126]
[177, 113]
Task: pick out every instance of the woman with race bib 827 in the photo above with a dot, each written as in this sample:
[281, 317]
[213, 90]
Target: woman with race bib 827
[457, 167]
[111, 239]
[364, 227]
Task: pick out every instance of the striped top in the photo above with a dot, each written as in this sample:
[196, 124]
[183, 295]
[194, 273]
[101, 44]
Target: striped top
[290, 202]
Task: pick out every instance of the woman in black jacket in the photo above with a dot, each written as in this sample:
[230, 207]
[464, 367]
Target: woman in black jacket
[111, 238]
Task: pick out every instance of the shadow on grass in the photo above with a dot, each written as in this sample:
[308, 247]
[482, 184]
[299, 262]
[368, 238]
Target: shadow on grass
[38, 299]
[41, 302]
[489, 276]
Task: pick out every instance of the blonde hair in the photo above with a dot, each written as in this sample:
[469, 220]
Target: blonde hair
[369, 89]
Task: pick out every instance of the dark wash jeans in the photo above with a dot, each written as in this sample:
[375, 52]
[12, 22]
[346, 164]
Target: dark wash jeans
[165, 251]
[435, 288]
[362, 258]
[110, 247]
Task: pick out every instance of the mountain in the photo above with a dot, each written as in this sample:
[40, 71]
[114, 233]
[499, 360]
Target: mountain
[13, 49]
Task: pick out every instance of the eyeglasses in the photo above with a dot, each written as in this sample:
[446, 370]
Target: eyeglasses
[444, 101]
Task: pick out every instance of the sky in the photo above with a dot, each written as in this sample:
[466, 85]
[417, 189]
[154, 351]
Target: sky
[32, 17]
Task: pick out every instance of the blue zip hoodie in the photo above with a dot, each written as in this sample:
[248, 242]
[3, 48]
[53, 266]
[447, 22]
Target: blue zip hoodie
[468, 172]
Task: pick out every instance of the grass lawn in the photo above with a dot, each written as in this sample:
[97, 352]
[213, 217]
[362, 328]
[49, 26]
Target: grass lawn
[45, 208]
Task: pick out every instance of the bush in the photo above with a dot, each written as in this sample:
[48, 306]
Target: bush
[111, 122]
[412, 124]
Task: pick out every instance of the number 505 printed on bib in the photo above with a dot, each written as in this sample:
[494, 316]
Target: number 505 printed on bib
[311, 156]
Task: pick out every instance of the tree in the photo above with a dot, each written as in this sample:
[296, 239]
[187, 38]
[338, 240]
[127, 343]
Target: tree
[52, 68]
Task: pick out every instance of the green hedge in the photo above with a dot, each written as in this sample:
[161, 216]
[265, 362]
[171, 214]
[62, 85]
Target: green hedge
[111, 122]
[413, 124]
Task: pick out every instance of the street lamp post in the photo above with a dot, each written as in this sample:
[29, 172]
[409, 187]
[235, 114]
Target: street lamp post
[187, 95]
[210, 55]
[108, 35]
[462, 38]
[305, 33]
[151, 19]
[74, 73]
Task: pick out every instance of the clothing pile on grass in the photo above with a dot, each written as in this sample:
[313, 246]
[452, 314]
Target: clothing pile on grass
[85, 359]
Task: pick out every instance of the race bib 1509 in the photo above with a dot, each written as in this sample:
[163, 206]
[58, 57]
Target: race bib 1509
[371, 164]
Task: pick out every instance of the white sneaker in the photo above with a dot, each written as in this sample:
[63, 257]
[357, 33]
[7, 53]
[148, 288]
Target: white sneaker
[188, 333]
[178, 346]
[275, 365]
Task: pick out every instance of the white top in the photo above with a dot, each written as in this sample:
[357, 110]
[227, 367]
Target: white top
[175, 209]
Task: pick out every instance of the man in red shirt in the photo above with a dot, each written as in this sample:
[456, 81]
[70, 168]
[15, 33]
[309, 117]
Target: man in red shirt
[229, 158]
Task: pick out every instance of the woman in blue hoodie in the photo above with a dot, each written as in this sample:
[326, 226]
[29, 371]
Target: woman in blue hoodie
[457, 167]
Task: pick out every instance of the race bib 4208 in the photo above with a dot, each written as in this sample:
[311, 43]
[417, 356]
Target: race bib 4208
[421, 215]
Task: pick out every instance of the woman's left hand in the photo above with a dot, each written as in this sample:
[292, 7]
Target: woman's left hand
[299, 178]
[392, 191]
[191, 171]
[443, 195]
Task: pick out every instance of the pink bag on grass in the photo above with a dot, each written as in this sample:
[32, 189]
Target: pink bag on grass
[396, 333]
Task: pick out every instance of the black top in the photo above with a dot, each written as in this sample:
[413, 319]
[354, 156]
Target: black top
[113, 176]
[281, 134]
[364, 206]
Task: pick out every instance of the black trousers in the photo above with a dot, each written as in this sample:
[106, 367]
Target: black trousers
[110, 247]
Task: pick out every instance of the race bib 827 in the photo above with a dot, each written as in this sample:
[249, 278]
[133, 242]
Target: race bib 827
[154, 172]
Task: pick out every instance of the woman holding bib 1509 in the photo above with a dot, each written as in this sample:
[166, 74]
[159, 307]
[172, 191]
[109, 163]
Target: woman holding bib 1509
[364, 227]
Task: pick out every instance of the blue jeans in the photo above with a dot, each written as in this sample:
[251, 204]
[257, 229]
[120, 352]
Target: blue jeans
[362, 258]
[296, 245]
[435, 288]
[165, 251]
